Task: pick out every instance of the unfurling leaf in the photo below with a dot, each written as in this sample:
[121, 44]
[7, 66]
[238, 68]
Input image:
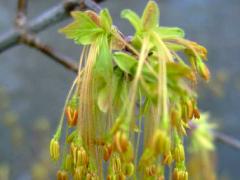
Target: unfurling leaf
[106, 20]
[133, 18]
[170, 32]
[150, 17]
[83, 30]
[175, 47]
[103, 66]
[94, 16]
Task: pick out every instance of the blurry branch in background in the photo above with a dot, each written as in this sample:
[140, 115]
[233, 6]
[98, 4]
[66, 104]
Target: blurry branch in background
[50, 17]
[21, 13]
[226, 139]
[34, 42]
[30, 40]
[25, 31]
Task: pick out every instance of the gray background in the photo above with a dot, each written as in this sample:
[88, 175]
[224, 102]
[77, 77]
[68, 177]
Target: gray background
[37, 86]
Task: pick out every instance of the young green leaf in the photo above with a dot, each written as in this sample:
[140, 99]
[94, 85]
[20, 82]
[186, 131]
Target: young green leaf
[150, 17]
[106, 20]
[175, 47]
[82, 30]
[133, 18]
[103, 66]
[125, 62]
[117, 84]
[170, 32]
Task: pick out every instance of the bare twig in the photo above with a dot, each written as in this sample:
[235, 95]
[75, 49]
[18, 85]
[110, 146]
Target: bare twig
[21, 13]
[43, 21]
[226, 139]
[34, 42]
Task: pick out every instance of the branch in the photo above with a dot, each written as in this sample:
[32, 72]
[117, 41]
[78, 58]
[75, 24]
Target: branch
[21, 13]
[45, 20]
[221, 137]
[34, 42]
[226, 139]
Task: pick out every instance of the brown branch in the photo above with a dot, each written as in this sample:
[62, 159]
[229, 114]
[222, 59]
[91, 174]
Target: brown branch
[21, 13]
[34, 42]
[45, 20]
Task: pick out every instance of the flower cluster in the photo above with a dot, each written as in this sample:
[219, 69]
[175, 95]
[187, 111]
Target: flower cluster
[130, 105]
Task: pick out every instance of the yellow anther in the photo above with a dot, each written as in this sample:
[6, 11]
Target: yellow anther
[62, 175]
[54, 149]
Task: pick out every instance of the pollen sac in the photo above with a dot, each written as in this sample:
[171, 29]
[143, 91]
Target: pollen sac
[62, 175]
[121, 142]
[189, 109]
[175, 117]
[151, 170]
[161, 142]
[179, 154]
[196, 113]
[79, 155]
[91, 176]
[72, 116]
[121, 176]
[54, 149]
[82, 157]
[128, 155]
[74, 152]
[179, 174]
[168, 159]
[79, 173]
[128, 169]
[112, 177]
[69, 162]
[161, 177]
[116, 164]
[107, 152]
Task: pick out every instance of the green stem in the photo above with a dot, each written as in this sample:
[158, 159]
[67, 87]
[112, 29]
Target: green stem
[63, 163]
[59, 128]
[142, 57]
[140, 127]
[163, 63]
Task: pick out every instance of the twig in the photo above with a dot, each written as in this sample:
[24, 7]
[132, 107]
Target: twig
[21, 13]
[226, 139]
[45, 20]
[34, 42]
[218, 136]
[93, 5]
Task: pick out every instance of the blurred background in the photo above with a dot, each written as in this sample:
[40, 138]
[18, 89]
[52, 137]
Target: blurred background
[33, 87]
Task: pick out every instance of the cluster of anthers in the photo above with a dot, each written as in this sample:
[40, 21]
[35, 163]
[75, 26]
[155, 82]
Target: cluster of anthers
[130, 105]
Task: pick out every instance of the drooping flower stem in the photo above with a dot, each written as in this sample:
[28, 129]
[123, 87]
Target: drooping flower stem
[57, 135]
[142, 57]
